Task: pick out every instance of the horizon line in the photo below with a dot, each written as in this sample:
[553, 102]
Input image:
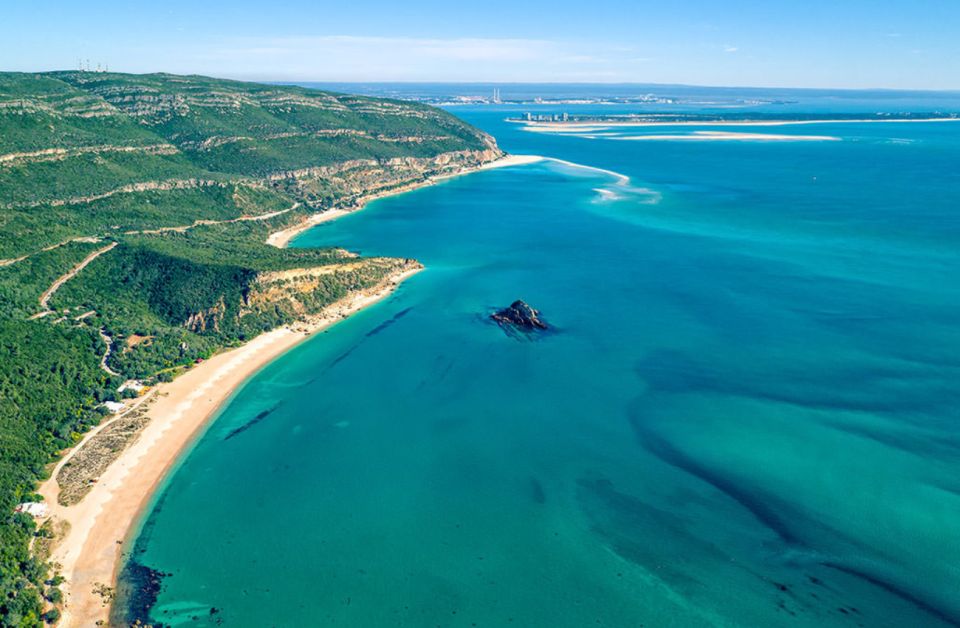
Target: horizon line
[248, 79]
[951, 90]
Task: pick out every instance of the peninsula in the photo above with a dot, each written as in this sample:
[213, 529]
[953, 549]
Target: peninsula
[143, 277]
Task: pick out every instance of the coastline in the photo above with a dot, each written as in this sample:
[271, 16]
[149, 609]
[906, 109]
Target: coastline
[89, 554]
[282, 238]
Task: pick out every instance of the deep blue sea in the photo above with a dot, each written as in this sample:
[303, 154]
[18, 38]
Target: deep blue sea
[746, 413]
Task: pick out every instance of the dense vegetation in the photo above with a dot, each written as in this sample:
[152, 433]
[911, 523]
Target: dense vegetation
[50, 387]
[185, 177]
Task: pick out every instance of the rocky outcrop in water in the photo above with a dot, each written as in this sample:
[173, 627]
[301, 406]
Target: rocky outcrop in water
[519, 317]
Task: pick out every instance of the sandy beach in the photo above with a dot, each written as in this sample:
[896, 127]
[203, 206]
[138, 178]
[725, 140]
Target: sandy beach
[283, 237]
[503, 162]
[90, 552]
[622, 179]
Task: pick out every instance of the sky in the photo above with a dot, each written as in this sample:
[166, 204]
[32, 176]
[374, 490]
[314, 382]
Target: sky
[899, 44]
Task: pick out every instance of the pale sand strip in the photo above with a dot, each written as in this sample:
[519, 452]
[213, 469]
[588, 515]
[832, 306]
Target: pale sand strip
[622, 179]
[282, 238]
[719, 135]
[507, 160]
[597, 125]
[89, 555]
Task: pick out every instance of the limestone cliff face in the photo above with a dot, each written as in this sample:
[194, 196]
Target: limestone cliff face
[207, 319]
[304, 291]
[297, 293]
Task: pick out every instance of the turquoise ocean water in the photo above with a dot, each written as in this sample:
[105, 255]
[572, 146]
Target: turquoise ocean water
[747, 414]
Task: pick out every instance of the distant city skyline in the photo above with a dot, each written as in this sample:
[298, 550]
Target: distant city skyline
[855, 44]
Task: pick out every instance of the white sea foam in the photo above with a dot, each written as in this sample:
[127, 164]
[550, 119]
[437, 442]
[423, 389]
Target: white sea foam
[607, 194]
[565, 130]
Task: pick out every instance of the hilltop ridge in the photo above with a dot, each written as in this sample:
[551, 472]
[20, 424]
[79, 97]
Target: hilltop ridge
[72, 142]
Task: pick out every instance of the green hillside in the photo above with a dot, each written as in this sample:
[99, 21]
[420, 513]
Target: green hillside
[137, 207]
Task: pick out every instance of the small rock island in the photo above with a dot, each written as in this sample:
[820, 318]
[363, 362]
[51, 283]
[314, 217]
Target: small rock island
[519, 317]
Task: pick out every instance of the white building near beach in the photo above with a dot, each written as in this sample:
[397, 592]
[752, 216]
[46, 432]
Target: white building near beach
[133, 384]
[34, 509]
[113, 406]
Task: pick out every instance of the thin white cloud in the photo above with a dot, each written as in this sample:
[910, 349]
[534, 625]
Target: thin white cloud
[458, 59]
[469, 49]
[359, 58]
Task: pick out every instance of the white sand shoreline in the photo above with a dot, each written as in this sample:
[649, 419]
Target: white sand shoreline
[707, 136]
[622, 179]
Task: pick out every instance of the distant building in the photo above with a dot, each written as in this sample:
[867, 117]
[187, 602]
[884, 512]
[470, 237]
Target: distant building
[34, 509]
[566, 116]
[528, 116]
[113, 406]
[135, 385]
